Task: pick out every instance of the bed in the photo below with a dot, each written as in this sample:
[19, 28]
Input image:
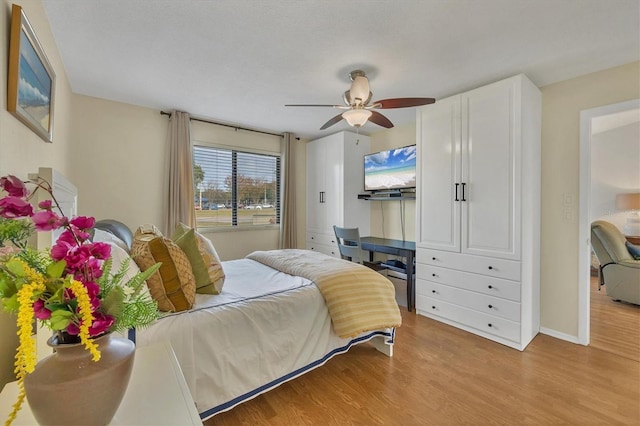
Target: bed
[256, 334]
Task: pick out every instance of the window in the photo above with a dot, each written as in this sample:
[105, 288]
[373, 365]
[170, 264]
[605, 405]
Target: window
[235, 188]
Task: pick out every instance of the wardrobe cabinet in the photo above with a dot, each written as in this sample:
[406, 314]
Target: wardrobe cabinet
[335, 177]
[478, 218]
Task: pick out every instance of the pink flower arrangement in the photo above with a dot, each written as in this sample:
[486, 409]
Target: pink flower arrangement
[82, 258]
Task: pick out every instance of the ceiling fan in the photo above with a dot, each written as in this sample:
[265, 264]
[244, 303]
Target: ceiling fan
[358, 107]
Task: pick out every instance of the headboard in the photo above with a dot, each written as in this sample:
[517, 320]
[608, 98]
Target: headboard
[116, 228]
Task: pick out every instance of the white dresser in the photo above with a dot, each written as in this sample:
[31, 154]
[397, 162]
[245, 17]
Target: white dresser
[335, 177]
[478, 211]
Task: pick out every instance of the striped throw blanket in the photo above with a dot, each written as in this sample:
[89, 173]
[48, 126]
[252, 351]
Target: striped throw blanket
[359, 299]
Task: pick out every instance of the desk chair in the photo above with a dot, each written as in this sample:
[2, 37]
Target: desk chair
[348, 240]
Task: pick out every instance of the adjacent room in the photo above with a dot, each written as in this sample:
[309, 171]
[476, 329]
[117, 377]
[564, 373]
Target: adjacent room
[320, 212]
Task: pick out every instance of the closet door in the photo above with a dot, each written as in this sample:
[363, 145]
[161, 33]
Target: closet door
[490, 149]
[315, 187]
[439, 189]
[333, 198]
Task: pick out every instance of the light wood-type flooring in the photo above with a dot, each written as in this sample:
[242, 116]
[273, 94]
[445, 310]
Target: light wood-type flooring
[440, 375]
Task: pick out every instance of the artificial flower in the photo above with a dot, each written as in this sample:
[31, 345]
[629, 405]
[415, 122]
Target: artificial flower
[14, 186]
[12, 207]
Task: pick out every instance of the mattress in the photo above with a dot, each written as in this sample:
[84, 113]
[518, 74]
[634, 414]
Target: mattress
[266, 327]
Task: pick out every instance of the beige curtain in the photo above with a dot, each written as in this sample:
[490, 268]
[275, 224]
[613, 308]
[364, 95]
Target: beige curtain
[288, 235]
[180, 206]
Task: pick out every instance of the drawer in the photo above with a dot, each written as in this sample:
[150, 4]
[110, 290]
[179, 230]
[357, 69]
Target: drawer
[318, 238]
[323, 248]
[477, 320]
[468, 299]
[484, 284]
[500, 268]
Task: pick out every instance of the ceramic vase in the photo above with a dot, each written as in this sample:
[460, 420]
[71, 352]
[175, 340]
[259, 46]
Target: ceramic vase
[68, 388]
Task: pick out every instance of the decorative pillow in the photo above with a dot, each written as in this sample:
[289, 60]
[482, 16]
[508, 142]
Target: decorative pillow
[634, 250]
[173, 286]
[203, 257]
[107, 237]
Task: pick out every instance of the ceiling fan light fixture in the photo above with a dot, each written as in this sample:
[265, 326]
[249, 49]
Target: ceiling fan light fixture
[356, 117]
[359, 89]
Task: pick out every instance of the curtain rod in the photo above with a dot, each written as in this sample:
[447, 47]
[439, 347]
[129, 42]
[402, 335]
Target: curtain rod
[226, 125]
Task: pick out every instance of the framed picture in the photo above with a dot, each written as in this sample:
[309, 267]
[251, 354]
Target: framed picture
[32, 82]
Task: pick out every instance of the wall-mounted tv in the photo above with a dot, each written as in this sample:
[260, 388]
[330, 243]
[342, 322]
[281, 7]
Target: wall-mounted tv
[391, 169]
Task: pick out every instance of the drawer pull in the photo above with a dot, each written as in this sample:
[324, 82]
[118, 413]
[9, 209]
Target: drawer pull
[433, 291]
[313, 238]
[490, 286]
[490, 325]
[433, 258]
[433, 307]
[490, 306]
[490, 267]
[433, 275]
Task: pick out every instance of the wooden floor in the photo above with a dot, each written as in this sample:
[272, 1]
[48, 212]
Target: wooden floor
[440, 375]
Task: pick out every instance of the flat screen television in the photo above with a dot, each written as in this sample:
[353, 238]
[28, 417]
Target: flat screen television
[392, 169]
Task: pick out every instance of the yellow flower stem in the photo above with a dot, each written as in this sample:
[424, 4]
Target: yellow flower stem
[84, 305]
[26, 352]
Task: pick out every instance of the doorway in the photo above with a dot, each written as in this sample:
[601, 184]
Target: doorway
[587, 120]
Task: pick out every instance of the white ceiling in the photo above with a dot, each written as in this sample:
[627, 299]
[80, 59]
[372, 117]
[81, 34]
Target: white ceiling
[241, 61]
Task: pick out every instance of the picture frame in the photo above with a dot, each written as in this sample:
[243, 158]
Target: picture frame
[31, 80]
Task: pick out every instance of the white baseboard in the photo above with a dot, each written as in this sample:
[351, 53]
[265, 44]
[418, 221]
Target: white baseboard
[559, 335]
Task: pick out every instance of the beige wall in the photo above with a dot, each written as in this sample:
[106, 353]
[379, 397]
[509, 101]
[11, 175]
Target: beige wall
[561, 106]
[121, 153]
[22, 151]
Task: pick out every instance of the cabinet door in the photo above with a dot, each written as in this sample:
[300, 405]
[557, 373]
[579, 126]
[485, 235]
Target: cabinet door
[438, 150]
[315, 187]
[333, 199]
[490, 148]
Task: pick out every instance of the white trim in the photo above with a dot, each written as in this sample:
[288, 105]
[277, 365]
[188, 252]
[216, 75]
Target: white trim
[584, 233]
[559, 335]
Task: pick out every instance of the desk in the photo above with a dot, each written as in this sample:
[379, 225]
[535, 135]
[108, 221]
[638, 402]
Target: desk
[157, 393]
[406, 249]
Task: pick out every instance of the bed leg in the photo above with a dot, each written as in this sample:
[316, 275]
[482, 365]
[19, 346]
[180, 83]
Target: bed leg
[380, 343]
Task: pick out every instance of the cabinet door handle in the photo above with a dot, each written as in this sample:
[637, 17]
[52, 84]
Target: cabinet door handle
[490, 306]
[457, 199]
[463, 186]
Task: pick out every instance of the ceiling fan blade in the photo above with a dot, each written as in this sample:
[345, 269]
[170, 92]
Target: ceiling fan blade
[310, 105]
[402, 102]
[380, 120]
[331, 122]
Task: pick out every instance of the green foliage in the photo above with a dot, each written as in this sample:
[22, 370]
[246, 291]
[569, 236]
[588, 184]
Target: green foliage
[15, 231]
[127, 302]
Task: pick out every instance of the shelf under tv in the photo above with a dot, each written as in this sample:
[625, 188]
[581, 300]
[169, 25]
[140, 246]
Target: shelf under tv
[388, 195]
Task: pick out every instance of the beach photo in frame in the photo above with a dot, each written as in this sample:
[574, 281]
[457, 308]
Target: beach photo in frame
[31, 80]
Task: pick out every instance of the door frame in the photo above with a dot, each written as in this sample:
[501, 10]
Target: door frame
[584, 233]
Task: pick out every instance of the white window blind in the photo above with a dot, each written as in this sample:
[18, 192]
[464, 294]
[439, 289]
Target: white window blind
[236, 188]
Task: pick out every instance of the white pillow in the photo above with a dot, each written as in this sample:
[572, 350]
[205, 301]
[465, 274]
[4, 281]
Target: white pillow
[107, 237]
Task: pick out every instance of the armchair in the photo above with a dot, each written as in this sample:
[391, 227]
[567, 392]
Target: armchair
[619, 272]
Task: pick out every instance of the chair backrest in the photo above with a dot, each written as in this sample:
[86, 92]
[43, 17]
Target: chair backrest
[348, 240]
[608, 243]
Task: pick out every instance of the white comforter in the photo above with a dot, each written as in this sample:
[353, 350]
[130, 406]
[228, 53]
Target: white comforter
[265, 327]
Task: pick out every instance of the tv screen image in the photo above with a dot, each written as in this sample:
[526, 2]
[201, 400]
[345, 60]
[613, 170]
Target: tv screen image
[391, 169]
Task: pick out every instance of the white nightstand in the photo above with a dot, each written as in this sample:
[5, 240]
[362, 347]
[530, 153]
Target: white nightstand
[157, 393]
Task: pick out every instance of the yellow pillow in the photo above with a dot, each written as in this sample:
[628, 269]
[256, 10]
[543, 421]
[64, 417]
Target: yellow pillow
[173, 286]
[203, 257]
